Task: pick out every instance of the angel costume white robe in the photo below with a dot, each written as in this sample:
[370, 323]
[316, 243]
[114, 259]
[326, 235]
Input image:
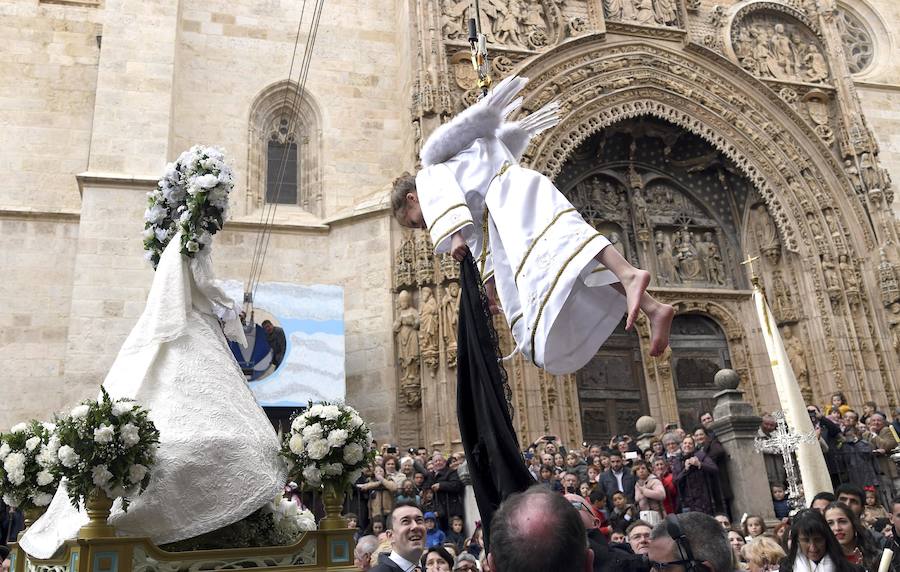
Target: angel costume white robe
[218, 457]
[558, 301]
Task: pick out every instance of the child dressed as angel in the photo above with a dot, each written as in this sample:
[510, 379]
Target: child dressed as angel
[562, 287]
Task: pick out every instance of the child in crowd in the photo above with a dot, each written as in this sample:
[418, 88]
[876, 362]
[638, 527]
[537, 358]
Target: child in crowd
[434, 536]
[622, 513]
[617, 540]
[428, 504]
[353, 524]
[779, 502]
[873, 510]
[754, 526]
[455, 535]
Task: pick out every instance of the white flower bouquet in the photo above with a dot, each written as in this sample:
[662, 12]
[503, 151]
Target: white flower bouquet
[106, 445]
[28, 465]
[290, 521]
[328, 444]
[191, 197]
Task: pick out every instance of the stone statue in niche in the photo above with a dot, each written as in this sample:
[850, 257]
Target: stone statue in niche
[869, 173]
[818, 235]
[639, 206]
[715, 266]
[666, 12]
[406, 328]
[783, 306]
[796, 353]
[851, 282]
[764, 233]
[887, 279]
[832, 281]
[686, 261]
[450, 320]
[428, 329]
[616, 240]
[853, 174]
[816, 66]
[665, 262]
[894, 321]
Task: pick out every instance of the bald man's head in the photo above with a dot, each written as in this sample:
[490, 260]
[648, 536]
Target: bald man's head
[538, 530]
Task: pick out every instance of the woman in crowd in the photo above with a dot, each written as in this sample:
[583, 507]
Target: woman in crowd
[737, 542]
[763, 554]
[659, 450]
[465, 562]
[381, 495]
[696, 479]
[754, 526]
[548, 478]
[437, 559]
[559, 463]
[392, 472]
[475, 544]
[664, 474]
[649, 492]
[813, 547]
[856, 543]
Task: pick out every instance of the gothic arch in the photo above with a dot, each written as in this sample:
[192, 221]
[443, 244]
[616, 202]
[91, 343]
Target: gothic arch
[279, 101]
[599, 85]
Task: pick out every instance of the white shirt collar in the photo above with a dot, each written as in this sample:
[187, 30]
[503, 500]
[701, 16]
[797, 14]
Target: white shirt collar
[402, 562]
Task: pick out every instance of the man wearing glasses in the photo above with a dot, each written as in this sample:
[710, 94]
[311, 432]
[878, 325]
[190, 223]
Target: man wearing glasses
[690, 542]
[604, 558]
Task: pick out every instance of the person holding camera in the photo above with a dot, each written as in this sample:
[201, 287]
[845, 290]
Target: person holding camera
[696, 477]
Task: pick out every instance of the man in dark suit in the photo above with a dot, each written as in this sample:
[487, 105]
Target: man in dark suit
[447, 487]
[407, 535]
[617, 478]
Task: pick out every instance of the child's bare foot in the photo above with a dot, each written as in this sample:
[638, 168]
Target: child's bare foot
[660, 323]
[635, 282]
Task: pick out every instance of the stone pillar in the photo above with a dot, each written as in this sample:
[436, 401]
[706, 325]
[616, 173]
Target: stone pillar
[736, 425]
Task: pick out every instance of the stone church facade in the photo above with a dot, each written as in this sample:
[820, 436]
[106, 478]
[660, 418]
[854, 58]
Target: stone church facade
[694, 134]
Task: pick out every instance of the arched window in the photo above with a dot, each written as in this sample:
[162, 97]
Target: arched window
[285, 165]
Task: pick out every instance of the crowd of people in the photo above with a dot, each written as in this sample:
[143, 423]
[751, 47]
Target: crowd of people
[629, 486]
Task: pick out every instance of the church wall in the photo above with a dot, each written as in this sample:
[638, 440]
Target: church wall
[229, 52]
[49, 68]
[37, 256]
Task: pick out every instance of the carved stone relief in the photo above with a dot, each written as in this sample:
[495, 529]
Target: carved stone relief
[642, 12]
[773, 46]
[524, 24]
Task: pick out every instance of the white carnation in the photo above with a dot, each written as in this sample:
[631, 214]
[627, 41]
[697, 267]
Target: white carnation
[50, 427]
[11, 500]
[355, 421]
[130, 435]
[136, 473]
[67, 456]
[330, 411]
[318, 449]
[104, 434]
[44, 478]
[19, 428]
[155, 214]
[47, 457]
[296, 444]
[14, 465]
[312, 475]
[337, 438]
[80, 412]
[32, 443]
[315, 410]
[353, 453]
[207, 181]
[4, 450]
[313, 431]
[298, 423]
[41, 499]
[122, 407]
[101, 475]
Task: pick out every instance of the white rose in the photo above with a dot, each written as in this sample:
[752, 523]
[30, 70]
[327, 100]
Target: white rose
[298, 423]
[192, 246]
[315, 410]
[337, 438]
[313, 431]
[101, 475]
[130, 435]
[122, 407]
[67, 456]
[296, 444]
[49, 426]
[11, 500]
[136, 473]
[4, 450]
[155, 214]
[207, 181]
[353, 453]
[44, 478]
[104, 434]
[318, 449]
[42, 499]
[19, 428]
[355, 421]
[330, 411]
[80, 412]
[31, 444]
[14, 465]
[312, 475]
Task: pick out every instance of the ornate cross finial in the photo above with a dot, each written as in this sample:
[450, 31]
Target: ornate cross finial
[784, 441]
[754, 279]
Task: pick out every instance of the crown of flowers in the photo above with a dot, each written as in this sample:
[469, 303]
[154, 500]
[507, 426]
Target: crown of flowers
[191, 197]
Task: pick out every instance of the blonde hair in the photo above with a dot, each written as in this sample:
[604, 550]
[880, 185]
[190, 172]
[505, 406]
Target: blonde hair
[763, 550]
[403, 185]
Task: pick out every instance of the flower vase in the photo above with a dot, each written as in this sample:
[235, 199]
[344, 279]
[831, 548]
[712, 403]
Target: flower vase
[333, 498]
[97, 505]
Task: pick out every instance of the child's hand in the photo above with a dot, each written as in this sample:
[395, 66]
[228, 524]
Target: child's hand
[458, 248]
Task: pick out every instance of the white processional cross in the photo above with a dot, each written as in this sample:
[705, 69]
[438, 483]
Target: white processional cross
[785, 441]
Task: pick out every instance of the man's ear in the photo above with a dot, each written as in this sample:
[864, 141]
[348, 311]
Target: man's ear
[412, 198]
[589, 560]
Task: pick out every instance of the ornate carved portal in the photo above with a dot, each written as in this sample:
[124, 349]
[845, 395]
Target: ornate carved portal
[691, 143]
